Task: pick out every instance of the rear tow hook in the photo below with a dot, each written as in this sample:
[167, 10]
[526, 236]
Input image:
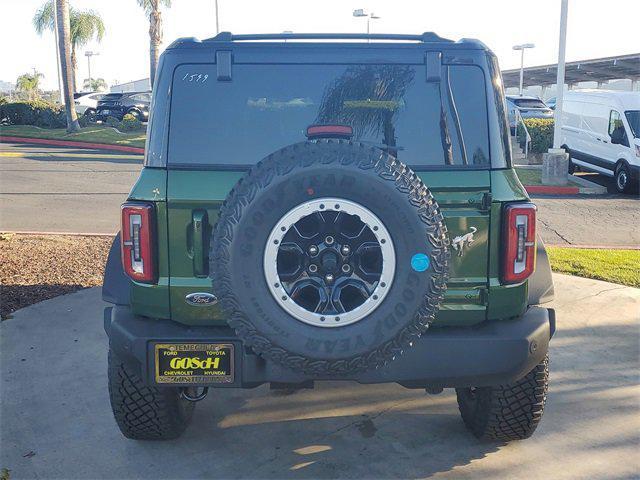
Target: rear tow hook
[191, 393]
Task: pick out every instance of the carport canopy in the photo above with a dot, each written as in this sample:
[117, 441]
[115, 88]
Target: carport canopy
[594, 70]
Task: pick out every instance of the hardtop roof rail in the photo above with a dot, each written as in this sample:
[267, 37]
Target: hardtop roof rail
[423, 37]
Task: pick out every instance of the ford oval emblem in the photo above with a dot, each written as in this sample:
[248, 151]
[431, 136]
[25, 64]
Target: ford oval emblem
[201, 299]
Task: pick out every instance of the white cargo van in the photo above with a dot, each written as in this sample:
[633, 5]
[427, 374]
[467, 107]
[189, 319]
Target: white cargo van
[601, 130]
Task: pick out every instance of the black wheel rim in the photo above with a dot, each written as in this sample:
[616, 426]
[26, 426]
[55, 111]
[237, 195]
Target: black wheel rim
[332, 264]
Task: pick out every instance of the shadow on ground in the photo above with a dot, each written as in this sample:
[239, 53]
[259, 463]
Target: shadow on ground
[57, 422]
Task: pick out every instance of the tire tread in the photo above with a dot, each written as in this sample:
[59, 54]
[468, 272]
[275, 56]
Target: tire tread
[145, 412]
[507, 412]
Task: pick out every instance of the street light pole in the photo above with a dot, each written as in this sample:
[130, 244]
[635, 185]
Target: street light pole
[217, 23]
[521, 70]
[90, 54]
[360, 12]
[522, 49]
[562, 45]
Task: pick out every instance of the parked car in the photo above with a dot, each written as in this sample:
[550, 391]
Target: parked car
[119, 104]
[87, 104]
[528, 107]
[601, 133]
[328, 212]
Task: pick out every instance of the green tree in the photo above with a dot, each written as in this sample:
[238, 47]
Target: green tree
[94, 84]
[84, 25]
[64, 49]
[29, 84]
[152, 9]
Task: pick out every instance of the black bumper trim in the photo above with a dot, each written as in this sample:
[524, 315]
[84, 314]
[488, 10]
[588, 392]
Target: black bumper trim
[492, 353]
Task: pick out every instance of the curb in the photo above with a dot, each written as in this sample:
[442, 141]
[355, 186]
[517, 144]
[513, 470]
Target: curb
[69, 234]
[549, 190]
[586, 187]
[557, 190]
[589, 187]
[71, 143]
[593, 247]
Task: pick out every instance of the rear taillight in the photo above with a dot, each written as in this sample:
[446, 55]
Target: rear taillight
[137, 241]
[519, 242]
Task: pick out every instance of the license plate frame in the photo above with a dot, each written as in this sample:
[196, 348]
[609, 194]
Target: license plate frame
[192, 366]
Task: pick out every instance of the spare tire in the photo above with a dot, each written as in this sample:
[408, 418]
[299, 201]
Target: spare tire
[329, 257]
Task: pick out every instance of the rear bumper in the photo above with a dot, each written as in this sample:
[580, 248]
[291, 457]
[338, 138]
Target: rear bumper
[490, 354]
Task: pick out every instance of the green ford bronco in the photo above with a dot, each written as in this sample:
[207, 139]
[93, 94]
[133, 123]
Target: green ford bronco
[328, 207]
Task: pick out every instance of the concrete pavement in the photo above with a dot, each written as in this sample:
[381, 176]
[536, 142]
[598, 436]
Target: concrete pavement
[56, 420]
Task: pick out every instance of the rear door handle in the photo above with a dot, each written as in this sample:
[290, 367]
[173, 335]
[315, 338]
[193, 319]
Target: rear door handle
[200, 224]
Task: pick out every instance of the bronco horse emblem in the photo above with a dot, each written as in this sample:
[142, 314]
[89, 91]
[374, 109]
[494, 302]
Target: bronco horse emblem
[460, 241]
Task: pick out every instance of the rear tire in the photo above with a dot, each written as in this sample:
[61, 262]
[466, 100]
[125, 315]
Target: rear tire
[136, 114]
[622, 179]
[506, 412]
[90, 114]
[144, 412]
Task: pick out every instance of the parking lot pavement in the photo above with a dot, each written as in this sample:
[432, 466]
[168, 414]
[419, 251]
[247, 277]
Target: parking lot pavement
[56, 420]
[56, 189]
[610, 220]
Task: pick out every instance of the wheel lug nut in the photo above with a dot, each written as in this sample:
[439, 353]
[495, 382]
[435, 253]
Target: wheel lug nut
[346, 268]
[329, 278]
[346, 249]
[329, 240]
[313, 250]
[313, 268]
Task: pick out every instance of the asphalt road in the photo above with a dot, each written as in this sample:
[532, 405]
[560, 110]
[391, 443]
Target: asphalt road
[607, 220]
[57, 423]
[67, 190]
[55, 189]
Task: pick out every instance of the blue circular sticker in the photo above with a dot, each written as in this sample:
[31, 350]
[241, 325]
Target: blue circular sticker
[420, 262]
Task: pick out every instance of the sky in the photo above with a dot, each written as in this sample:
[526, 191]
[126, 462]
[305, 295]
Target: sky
[596, 28]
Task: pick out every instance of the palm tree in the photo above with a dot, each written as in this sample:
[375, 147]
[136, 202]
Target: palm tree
[64, 49]
[29, 83]
[368, 98]
[85, 25]
[94, 84]
[152, 9]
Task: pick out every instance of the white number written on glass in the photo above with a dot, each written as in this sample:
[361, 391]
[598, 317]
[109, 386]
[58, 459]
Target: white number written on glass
[195, 77]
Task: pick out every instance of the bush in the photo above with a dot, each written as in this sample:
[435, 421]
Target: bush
[86, 120]
[112, 122]
[37, 112]
[541, 132]
[130, 124]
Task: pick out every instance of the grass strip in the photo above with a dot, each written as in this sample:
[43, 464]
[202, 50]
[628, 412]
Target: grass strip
[616, 266]
[95, 134]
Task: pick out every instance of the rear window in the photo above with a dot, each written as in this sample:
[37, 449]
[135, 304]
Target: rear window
[266, 107]
[112, 96]
[529, 103]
